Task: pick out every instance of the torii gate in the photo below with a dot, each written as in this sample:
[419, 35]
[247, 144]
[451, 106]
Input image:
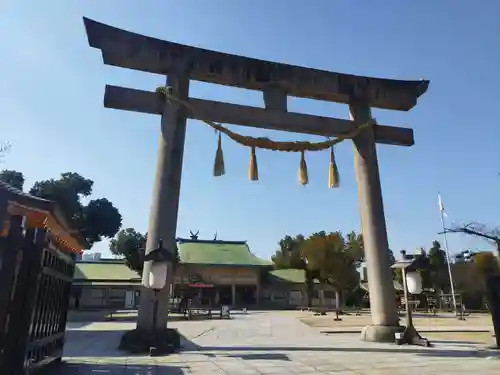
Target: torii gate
[182, 63]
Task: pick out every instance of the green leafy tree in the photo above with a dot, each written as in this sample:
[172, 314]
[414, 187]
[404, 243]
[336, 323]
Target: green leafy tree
[355, 247]
[486, 264]
[425, 268]
[397, 275]
[438, 267]
[470, 276]
[13, 178]
[130, 245]
[289, 256]
[392, 258]
[96, 220]
[327, 257]
[332, 260]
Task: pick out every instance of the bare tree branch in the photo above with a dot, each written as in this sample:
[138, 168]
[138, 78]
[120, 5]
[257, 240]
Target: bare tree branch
[472, 232]
[478, 230]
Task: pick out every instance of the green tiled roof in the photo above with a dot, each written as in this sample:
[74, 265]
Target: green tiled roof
[227, 253]
[104, 271]
[295, 276]
[190, 252]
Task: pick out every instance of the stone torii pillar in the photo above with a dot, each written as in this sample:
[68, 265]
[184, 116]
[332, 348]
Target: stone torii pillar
[166, 193]
[385, 321]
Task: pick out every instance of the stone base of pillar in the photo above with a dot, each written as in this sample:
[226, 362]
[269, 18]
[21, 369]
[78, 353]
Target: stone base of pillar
[372, 333]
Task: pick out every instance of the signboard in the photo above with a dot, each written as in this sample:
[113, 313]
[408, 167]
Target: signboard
[195, 281]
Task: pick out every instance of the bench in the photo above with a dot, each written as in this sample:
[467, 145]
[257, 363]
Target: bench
[225, 312]
[192, 312]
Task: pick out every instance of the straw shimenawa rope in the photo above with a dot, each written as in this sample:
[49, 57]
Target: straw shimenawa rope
[268, 144]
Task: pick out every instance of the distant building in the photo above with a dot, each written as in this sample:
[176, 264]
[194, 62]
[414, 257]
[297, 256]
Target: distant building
[91, 257]
[215, 272]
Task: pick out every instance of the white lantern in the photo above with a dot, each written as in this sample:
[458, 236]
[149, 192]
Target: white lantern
[158, 275]
[414, 282]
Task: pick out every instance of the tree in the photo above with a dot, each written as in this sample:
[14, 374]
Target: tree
[438, 267]
[392, 258]
[479, 230]
[333, 259]
[130, 244]
[485, 264]
[425, 269]
[289, 256]
[355, 248]
[470, 276]
[101, 219]
[327, 257]
[98, 219]
[13, 178]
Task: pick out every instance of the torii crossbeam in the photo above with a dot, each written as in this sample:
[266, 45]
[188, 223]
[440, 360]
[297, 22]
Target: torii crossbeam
[182, 63]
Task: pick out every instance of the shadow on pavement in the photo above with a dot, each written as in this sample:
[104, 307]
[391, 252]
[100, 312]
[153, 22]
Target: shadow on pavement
[121, 318]
[430, 316]
[96, 343]
[88, 315]
[260, 356]
[358, 330]
[456, 342]
[113, 369]
[427, 352]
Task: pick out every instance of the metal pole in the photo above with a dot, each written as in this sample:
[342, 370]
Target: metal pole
[409, 318]
[155, 308]
[448, 258]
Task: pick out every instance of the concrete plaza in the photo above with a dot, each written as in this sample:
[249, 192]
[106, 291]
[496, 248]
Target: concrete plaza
[267, 343]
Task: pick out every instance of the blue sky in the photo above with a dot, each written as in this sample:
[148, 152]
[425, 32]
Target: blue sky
[52, 86]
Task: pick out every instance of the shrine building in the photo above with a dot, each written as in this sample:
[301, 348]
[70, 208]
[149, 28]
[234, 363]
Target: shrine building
[216, 272]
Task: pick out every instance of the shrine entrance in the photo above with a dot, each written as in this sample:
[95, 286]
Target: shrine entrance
[276, 81]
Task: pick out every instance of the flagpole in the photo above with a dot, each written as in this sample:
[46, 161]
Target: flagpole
[446, 249]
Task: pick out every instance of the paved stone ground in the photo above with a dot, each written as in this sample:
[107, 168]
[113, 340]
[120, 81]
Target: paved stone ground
[423, 322]
[266, 343]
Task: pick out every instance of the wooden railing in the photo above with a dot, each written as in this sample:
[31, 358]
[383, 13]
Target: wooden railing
[35, 279]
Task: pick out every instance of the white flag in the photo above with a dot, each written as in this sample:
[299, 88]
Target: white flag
[441, 206]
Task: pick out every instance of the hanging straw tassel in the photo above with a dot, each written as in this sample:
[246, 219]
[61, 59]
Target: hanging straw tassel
[253, 169]
[303, 177]
[333, 172]
[219, 169]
